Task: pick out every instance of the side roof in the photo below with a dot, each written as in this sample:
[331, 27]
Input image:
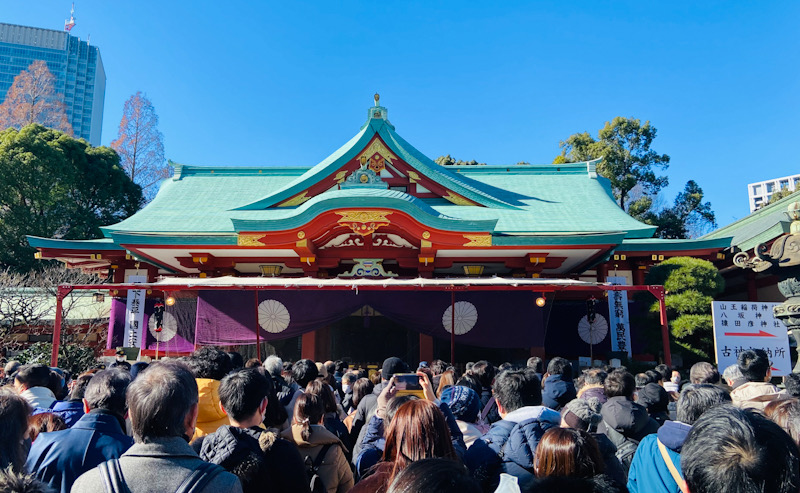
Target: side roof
[758, 227]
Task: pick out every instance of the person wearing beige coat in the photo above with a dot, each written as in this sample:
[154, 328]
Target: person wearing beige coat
[756, 368]
[308, 434]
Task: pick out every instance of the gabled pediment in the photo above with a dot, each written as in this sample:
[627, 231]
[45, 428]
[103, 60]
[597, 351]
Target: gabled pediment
[396, 163]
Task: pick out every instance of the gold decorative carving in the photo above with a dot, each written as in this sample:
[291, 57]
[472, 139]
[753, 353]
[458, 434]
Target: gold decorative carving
[340, 176]
[301, 243]
[426, 234]
[478, 240]
[377, 147]
[413, 177]
[296, 200]
[458, 199]
[364, 222]
[301, 234]
[425, 244]
[245, 239]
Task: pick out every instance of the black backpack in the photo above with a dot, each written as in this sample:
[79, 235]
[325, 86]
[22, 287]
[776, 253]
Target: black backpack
[626, 447]
[315, 483]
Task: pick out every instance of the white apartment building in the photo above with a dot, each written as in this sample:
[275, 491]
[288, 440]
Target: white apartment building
[760, 192]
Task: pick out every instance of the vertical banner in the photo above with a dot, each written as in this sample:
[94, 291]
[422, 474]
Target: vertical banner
[743, 325]
[134, 315]
[618, 321]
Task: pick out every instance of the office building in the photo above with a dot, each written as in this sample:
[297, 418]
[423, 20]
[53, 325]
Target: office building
[760, 192]
[76, 65]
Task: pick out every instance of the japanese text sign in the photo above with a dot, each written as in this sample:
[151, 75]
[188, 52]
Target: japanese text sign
[743, 325]
[134, 314]
[618, 321]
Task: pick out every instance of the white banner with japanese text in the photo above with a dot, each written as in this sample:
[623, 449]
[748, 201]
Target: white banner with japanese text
[618, 321]
[742, 325]
[134, 314]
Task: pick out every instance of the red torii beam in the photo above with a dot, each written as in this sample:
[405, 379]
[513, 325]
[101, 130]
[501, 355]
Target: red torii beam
[657, 291]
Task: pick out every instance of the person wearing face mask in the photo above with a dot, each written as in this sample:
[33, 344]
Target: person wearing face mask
[348, 379]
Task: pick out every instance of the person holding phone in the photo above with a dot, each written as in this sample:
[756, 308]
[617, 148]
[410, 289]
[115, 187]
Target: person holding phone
[430, 423]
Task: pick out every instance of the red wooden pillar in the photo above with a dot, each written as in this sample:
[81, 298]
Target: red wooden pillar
[602, 272]
[664, 325]
[316, 345]
[308, 346]
[425, 348]
[639, 271]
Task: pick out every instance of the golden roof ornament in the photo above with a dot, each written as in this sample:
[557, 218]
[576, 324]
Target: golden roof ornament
[377, 99]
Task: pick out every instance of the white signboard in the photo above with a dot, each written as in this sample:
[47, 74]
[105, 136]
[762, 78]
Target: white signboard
[134, 314]
[618, 322]
[743, 325]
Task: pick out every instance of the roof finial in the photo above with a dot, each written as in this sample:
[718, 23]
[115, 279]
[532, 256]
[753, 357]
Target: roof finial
[377, 99]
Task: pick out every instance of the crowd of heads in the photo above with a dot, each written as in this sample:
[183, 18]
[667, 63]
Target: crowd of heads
[741, 432]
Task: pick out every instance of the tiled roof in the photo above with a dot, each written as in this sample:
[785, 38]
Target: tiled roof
[760, 226]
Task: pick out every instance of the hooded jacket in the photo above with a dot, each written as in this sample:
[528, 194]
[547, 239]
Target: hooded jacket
[209, 415]
[259, 458]
[40, 398]
[509, 446]
[625, 423]
[556, 392]
[335, 470]
[756, 395]
[649, 472]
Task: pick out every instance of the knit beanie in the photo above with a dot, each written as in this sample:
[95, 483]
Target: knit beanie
[464, 402]
[391, 366]
[582, 414]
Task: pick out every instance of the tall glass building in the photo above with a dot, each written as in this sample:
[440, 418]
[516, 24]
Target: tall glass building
[76, 65]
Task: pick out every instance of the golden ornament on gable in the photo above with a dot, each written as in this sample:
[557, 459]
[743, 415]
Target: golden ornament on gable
[478, 240]
[296, 200]
[249, 240]
[364, 222]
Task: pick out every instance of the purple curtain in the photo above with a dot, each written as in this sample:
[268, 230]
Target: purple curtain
[490, 319]
[183, 312]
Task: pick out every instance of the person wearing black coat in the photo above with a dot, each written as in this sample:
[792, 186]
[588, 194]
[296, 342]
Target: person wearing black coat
[557, 387]
[258, 457]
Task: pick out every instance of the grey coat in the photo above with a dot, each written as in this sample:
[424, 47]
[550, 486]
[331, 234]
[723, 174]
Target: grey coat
[157, 466]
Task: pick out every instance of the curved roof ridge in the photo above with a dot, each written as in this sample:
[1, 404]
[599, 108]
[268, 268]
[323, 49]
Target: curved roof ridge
[471, 189]
[367, 198]
[292, 188]
[496, 195]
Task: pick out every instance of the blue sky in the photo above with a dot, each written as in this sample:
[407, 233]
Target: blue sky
[286, 83]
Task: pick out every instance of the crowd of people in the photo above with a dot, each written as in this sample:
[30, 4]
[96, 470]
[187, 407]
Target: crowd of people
[211, 422]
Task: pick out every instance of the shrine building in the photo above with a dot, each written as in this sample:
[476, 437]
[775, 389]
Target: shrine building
[378, 208]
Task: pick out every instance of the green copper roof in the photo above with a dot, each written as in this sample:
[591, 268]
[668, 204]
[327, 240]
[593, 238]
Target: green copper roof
[652, 244]
[98, 244]
[519, 204]
[368, 197]
[473, 190]
[761, 226]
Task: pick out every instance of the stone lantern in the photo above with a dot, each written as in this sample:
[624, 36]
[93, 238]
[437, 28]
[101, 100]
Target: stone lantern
[783, 260]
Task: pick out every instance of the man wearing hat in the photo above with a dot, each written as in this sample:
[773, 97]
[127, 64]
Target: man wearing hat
[369, 404]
